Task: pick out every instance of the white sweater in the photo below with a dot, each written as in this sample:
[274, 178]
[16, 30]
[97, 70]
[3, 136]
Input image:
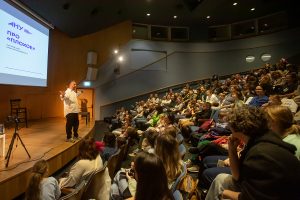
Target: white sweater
[83, 168]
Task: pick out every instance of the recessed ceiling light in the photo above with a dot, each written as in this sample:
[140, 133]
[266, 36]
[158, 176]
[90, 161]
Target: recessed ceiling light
[207, 16]
[116, 51]
[120, 58]
[235, 3]
[265, 24]
[252, 9]
[148, 14]
[175, 17]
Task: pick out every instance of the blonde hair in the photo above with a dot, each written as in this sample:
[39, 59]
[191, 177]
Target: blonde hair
[39, 170]
[283, 118]
[167, 149]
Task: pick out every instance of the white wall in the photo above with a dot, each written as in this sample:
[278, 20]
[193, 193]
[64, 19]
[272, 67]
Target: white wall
[186, 61]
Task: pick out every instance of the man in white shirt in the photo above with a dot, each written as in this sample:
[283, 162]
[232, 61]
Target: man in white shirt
[71, 110]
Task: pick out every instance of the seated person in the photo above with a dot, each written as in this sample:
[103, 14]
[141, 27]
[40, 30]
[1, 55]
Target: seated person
[166, 148]
[110, 147]
[89, 162]
[267, 167]
[281, 122]
[260, 97]
[149, 141]
[146, 179]
[39, 185]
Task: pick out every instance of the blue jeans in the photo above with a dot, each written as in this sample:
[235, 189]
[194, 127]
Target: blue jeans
[211, 170]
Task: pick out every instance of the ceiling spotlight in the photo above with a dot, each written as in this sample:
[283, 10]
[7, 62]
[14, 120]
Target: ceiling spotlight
[235, 3]
[120, 58]
[252, 9]
[175, 17]
[116, 51]
[148, 14]
[207, 17]
[265, 24]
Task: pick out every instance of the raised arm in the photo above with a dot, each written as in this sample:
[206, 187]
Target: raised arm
[233, 157]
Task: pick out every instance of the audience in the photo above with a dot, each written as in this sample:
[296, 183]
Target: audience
[263, 148]
[41, 187]
[267, 167]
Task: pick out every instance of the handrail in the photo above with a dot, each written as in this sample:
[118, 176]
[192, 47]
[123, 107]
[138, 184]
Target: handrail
[193, 81]
[174, 52]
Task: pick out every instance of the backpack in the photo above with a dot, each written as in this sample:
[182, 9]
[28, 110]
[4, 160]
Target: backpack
[188, 188]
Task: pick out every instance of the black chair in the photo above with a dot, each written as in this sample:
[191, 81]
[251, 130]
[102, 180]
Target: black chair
[95, 185]
[84, 111]
[18, 111]
[112, 164]
[77, 193]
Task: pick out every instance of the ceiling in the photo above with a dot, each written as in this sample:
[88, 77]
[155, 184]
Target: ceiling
[81, 17]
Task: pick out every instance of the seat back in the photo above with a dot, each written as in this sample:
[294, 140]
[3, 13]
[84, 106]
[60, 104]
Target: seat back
[77, 193]
[95, 185]
[182, 150]
[179, 178]
[83, 105]
[177, 195]
[14, 104]
[112, 164]
[121, 156]
[179, 138]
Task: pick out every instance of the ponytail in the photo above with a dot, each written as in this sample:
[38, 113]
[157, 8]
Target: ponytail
[38, 172]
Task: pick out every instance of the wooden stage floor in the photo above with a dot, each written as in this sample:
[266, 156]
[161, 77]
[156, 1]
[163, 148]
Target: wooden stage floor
[44, 139]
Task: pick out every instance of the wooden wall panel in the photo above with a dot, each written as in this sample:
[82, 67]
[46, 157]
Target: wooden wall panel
[67, 61]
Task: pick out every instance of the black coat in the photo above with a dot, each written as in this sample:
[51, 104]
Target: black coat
[269, 170]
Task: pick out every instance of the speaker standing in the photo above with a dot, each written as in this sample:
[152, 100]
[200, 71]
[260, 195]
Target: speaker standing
[71, 110]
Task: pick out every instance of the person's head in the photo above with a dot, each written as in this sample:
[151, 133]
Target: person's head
[206, 106]
[248, 121]
[259, 90]
[87, 149]
[274, 100]
[72, 85]
[151, 136]
[159, 109]
[131, 132]
[152, 182]
[208, 92]
[166, 147]
[291, 78]
[202, 88]
[237, 96]
[109, 140]
[280, 119]
[221, 96]
[39, 171]
[169, 119]
[171, 131]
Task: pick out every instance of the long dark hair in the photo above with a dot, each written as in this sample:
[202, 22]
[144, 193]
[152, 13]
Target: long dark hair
[152, 181]
[38, 172]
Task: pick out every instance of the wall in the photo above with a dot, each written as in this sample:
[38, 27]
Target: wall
[185, 62]
[67, 61]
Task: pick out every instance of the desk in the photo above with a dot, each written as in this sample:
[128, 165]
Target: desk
[3, 144]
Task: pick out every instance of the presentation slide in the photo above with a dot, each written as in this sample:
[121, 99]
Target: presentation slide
[23, 48]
